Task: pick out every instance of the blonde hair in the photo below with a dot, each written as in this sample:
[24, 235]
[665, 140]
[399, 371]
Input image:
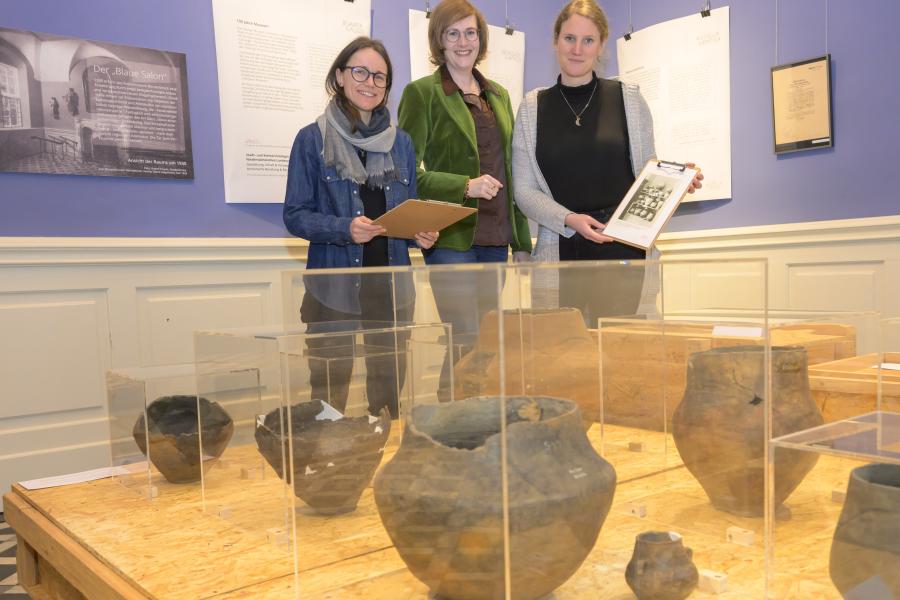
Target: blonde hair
[585, 8]
[446, 14]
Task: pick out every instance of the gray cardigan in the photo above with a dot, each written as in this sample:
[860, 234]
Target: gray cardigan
[533, 195]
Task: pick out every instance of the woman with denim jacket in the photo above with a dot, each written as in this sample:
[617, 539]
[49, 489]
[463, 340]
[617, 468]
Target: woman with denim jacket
[346, 169]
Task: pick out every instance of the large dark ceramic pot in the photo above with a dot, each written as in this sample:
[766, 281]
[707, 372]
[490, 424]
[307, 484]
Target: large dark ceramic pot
[865, 552]
[661, 568]
[172, 425]
[333, 460]
[441, 496]
[718, 427]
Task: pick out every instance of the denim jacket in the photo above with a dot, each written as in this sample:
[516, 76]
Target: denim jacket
[319, 207]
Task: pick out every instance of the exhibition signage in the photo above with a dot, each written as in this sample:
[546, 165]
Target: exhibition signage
[272, 57]
[801, 105]
[70, 106]
[682, 67]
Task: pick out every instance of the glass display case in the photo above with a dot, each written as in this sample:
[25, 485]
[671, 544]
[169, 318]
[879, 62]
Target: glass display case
[169, 426]
[843, 537]
[586, 430]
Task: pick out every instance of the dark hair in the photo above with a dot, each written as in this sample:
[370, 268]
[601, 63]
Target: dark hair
[446, 14]
[331, 84]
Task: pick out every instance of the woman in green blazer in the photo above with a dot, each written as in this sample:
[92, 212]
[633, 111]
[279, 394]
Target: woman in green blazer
[461, 126]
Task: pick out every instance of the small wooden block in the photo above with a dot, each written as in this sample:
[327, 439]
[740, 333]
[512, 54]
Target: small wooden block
[637, 510]
[277, 536]
[713, 582]
[636, 446]
[741, 537]
[838, 495]
[251, 473]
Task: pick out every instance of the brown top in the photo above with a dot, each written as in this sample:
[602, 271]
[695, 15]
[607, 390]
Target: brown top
[493, 227]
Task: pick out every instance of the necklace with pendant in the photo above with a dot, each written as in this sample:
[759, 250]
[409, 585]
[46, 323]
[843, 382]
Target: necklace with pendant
[581, 112]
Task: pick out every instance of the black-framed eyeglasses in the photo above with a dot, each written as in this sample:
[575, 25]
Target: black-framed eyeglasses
[453, 35]
[362, 74]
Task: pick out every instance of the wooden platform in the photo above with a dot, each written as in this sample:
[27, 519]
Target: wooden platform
[101, 540]
[847, 387]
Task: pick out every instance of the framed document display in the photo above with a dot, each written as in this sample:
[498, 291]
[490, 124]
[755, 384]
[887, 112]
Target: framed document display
[649, 203]
[801, 105]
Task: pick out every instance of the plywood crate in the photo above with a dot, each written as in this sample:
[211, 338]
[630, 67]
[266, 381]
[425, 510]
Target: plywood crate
[849, 387]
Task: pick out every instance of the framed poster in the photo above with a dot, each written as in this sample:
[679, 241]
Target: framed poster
[649, 203]
[801, 105]
[71, 106]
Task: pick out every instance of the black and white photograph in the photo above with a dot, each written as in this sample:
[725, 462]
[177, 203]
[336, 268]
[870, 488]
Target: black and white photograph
[649, 203]
[70, 106]
[643, 208]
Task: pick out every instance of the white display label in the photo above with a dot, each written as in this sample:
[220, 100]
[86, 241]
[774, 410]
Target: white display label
[727, 331]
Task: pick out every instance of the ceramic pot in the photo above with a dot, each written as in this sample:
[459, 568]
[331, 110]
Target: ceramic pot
[718, 427]
[333, 460]
[172, 425]
[542, 348]
[865, 552]
[441, 496]
[661, 568]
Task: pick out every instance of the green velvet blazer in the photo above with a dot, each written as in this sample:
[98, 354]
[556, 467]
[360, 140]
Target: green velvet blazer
[443, 134]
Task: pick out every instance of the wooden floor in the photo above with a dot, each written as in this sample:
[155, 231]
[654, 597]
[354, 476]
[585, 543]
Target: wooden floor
[104, 539]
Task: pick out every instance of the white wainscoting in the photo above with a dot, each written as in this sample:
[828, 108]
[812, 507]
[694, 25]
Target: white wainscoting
[72, 308]
[850, 265]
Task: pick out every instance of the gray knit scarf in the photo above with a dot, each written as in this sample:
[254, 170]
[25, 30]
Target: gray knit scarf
[339, 146]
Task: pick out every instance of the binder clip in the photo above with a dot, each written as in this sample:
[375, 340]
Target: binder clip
[665, 164]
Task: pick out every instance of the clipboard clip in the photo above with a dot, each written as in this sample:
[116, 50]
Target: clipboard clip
[672, 166]
[427, 9]
[628, 33]
[705, 11]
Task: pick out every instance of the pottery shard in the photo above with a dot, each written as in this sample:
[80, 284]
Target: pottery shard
[546, 351]
[719, 425]
[333, 461]
[172, 425]
[441, 496]
[865, 552]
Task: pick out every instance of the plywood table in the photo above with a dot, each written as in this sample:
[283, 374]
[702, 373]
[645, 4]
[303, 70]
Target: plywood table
[101, 541]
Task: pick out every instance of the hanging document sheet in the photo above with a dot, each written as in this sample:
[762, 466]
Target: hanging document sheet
[682, 67]
[273, 56]
[504, 63]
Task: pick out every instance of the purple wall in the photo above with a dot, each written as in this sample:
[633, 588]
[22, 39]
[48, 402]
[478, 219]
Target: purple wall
[63, 205]
[845, 181]
[833, 183]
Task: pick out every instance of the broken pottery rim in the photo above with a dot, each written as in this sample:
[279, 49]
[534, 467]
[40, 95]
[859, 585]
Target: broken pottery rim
[326, 423]
[568, 411]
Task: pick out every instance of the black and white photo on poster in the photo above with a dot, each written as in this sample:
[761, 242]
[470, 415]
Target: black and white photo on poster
[78, 107]
[649, 199]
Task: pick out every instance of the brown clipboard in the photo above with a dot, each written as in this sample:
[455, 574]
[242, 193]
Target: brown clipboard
[412, 216]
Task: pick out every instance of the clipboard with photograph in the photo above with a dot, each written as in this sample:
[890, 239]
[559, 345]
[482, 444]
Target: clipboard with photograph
[650, 203]
[412, 216]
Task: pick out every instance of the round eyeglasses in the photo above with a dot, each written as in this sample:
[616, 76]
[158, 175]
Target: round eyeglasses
[362, 74]
[453, 35]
